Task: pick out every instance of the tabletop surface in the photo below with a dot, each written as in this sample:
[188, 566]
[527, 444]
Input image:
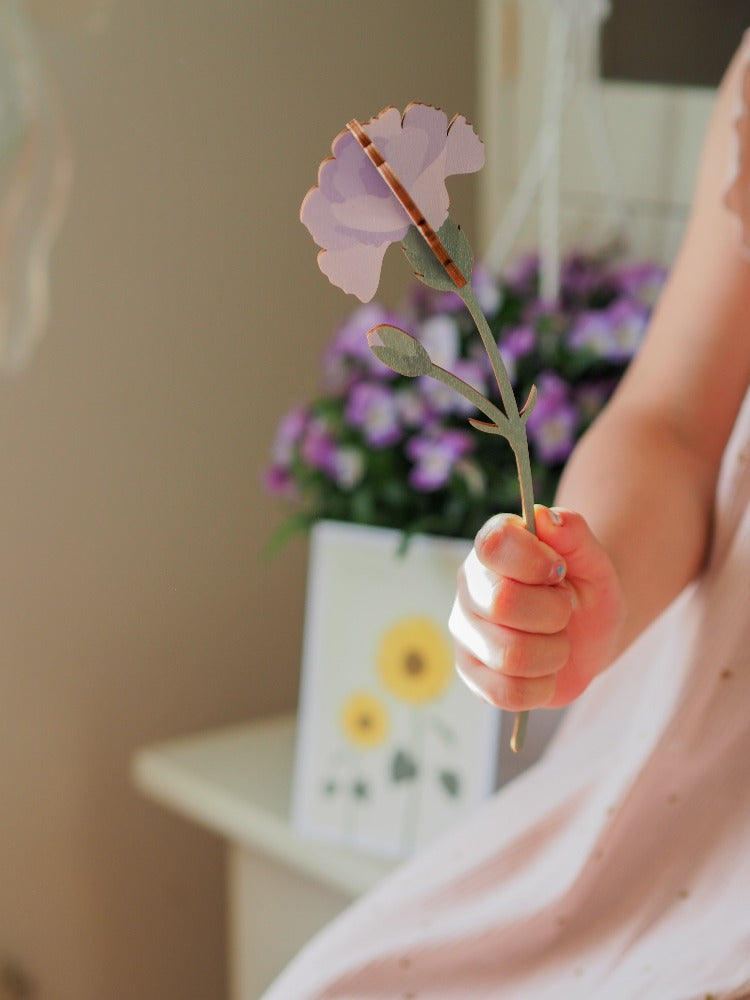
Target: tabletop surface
[237, 782]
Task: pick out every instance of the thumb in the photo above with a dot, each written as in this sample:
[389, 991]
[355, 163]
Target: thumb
[570, 536]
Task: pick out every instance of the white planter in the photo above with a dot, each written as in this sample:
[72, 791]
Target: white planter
[392, 749]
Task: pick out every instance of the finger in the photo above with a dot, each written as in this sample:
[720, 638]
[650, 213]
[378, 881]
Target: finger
[568, 533]
[544, 609]
[507, 650]
[514, 694]
[504, 546]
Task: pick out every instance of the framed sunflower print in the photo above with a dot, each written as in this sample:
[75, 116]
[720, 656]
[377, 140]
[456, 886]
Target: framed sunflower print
[392, 749]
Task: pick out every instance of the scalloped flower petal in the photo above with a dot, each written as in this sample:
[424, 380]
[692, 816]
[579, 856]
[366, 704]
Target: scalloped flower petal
[352, 213]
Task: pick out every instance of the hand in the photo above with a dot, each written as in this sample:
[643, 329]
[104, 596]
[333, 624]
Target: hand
[536, 618]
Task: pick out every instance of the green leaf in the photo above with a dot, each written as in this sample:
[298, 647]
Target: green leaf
[451, 783]
[298, 524]
[425, 264]
[398, 350]
[482, 425]
[403, 767]
[528, 407]
[360, 789]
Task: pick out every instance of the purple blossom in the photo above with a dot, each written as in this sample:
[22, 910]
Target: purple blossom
[541, 311]
[277, 480]
[438, 398]
[642, 282]
[412, 407]
[440, 337]
[434, 455]
[318, 446]
[582, 276]
[518, 341]
[516, 344]
[552, 424]
[348, 466]
[352, 213]
[614, 334]
[474, 375]
[629, 321]
[371, 407]
[288, 433]
[348, 356]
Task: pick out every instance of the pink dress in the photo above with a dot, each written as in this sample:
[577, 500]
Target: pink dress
[618, 867]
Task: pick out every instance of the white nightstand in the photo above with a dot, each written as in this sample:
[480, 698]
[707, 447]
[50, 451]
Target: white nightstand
[237, 783]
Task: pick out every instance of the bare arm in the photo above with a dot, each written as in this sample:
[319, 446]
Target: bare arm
[537, 619]
[644, 476]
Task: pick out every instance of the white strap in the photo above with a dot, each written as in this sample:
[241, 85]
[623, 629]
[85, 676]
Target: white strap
[572, 58]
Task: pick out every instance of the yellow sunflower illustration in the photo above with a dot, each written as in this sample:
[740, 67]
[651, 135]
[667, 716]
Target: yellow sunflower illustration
[415, 660]
[364, 720]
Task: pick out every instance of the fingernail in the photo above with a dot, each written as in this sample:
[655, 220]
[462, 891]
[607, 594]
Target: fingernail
[486, 530]
[557, 572]
[555, 515]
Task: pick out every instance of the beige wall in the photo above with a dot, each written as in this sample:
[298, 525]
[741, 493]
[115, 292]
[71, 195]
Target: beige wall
[133, 602]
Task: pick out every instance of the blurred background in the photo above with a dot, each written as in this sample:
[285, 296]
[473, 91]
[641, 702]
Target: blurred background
[187, 313]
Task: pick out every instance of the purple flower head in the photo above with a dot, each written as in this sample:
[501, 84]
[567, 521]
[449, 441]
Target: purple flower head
[592, 332]
[629, 322]
[434, 455]
[487, 289]
[371, 407]
[412, 407]
[352, 213]
[441, 339]
[279, 482]
[288, 434]
[614, 334]
[516, 344]
[348, 467]
[642, 282]
[519, 341]
[318, 446]
[438, 398]
[474, 375]
[540, 311]
[553, 422]
[581, 277]
[348, 357]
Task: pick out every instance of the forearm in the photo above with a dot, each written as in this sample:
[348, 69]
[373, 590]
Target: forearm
[647, 495]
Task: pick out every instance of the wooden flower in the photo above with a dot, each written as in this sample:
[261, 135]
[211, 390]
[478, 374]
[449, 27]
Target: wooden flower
[352, 213]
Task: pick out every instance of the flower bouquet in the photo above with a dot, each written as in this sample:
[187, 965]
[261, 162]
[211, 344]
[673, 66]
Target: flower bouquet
[383, 449]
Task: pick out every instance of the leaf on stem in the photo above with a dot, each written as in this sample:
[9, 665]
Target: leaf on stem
[399, 351]
[528, 407]
[425, 264]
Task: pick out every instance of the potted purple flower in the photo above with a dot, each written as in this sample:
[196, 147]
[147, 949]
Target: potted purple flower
[384, 449]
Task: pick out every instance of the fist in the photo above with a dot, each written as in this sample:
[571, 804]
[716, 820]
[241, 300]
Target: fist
[536, 618]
